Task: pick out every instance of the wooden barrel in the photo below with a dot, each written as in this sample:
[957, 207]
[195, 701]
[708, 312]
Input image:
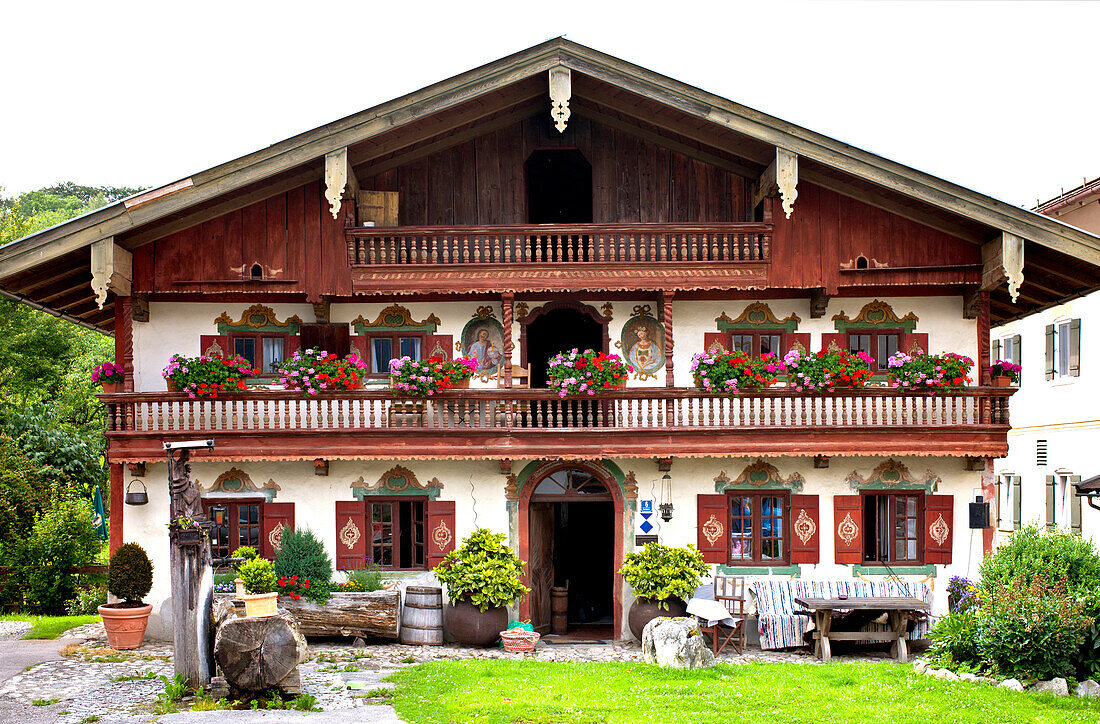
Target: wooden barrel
[559, 610]
[422, 616]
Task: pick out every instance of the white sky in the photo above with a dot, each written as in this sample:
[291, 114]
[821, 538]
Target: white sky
[1001, 97]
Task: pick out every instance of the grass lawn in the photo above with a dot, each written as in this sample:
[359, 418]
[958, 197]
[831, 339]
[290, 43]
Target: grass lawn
[532, 691]
[49, 627]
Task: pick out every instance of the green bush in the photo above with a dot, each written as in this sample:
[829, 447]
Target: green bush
[87, 602]
[302, 554]
[483, 571]
[130, 573]
[955, 639]
[1031, 629]
[660, 572]
[1054, 555]
[258, 575]
[245, 552]
[62, 537]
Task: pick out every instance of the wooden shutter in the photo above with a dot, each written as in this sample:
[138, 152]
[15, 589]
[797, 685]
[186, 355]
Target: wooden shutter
[1050, 502]
[847, 529]
[211, 345]
[840, 339]
[1074, 503]
[358, 345]
[939, 525]
[381, 207]
[441, 530]
[793, 339]
[1074, 347]
[805, 529]
[722, 339]
[712, 520]
[1000, 516]
[332, 338]
[1017, 502]
[352, 535]
[910, 341]
[293, 343]
[1050, 352]
[1016, 352]
[995, 350]
[437, 345]
[276, 518]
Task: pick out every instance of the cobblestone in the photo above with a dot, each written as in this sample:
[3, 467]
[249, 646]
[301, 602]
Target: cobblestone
[14, 629]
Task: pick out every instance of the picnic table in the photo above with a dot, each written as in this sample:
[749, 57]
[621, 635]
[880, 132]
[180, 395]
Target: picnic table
[899, 609]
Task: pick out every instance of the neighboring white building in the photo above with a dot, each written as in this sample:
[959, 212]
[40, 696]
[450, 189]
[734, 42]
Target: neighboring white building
[1054, 437]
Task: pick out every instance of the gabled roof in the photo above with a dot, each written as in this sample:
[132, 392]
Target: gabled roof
[966, 213]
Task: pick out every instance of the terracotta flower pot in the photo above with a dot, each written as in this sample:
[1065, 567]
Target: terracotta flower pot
[474, 627]
[462, 384]
[644, 610]
[257, 605]
[172, 386]
[125, 627]
[1002, 381]
[111, 386]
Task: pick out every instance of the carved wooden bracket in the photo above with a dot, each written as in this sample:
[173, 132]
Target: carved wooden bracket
[340, 181]
[780, 178]
[819, 302]
[1003, 259]
[560, 91]
[112, 270]
[139, 309]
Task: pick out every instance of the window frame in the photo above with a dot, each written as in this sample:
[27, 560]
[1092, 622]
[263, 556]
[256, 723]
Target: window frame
[396, 531]
[1004, 502]
[922, 510]
[1063, 499]
[757, 335]
[874, 334]
[1062, 332]
[258, 338]
[757, 528]
[233, 513]
[395, 340]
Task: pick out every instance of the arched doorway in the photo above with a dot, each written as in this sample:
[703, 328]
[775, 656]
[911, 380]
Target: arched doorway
[571, 535]
[559, 327]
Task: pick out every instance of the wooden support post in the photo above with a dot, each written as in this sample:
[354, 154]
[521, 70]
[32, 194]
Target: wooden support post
[819, 302]
[124, 340]
[666, 321]
[192, 580]
[507, 303]
[118, 493]
[983, 340]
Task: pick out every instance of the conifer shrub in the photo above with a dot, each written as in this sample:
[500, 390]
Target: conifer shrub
[130, 574]
[302, 557]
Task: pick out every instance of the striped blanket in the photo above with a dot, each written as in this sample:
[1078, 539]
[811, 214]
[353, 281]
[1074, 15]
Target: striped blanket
[780, 628]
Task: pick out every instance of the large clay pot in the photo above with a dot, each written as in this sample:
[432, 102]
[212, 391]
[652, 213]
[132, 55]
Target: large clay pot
[644, 610]
[257, 605]
[111, 387]
[125, 627]
[471, 626]
[1002, 381]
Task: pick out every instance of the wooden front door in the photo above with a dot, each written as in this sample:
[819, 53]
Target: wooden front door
[541, 562]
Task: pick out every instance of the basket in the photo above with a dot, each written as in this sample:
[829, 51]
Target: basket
[516, 640]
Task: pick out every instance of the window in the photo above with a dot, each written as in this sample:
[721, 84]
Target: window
[1004, 502]
[263, 352]
[383, 348]
[757, 343]
[892, 526]
[1063, 497]
[880, 345]
[1061, 335]
[1063, 349]
[236, 523]
[758, 528]
[397, 534]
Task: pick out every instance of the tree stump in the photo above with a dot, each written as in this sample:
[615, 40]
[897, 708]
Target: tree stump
[259, 653]
[373, 614]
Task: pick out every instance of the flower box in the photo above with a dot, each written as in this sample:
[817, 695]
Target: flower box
[189, 536]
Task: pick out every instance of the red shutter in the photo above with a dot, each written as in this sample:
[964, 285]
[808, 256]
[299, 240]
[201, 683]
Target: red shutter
[939, 524]
[909, 341]
[840, 339]
[712, 518]
[793, 339]
[277, 517]
[848, 529]
[441, 530]
[214, 344]
[359, 346]
[352, 535]
[722, 339]
[805, 529]
[293, 342]
[437, 345]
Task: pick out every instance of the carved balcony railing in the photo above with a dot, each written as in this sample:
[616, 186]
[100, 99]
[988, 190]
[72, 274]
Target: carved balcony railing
[560, 243]
[492, 423]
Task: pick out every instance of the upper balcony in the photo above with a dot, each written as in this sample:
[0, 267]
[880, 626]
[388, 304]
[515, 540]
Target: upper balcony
[521, 423]
[558, 257]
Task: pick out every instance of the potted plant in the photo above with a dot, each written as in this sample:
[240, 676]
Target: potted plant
[663, 578]
[247, 553]
[423, 378]
[129, 577]
[313, 371]
[482, 578]
[576, 373]
[207, 377]
[109, 375]
[929, 372]
[731, 372]
[826, 370]
[1004, 373]
[258, 577]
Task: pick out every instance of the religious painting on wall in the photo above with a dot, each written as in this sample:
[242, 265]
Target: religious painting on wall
[483, 339]
[642, 343]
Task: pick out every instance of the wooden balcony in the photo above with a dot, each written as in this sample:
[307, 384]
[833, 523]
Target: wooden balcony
[551, 257]
[489, 424]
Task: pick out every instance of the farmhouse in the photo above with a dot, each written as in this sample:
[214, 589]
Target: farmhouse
[552, 200]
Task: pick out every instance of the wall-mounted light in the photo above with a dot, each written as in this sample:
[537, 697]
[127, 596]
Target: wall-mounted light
[666, 498]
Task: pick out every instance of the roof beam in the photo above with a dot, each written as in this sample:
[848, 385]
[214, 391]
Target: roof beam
[1076, 276]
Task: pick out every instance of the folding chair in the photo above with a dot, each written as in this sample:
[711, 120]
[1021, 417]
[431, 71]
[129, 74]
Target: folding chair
[730, 592]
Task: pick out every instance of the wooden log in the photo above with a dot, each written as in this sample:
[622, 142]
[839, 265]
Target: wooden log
[348, 614]
[261, 652]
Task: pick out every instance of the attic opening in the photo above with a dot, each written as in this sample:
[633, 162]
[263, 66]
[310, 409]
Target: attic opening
[256, 272]
[861, 262]
[559, 187]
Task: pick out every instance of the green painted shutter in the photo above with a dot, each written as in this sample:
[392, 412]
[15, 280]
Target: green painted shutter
[996, 352]
[1050, 502]
[1016, 351]
[997, 497]
[1050, 352]
[1074, 504]
[1074, 347]
[1017, 502]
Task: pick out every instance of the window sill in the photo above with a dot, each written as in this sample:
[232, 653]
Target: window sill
[793, 569]
[927, 569]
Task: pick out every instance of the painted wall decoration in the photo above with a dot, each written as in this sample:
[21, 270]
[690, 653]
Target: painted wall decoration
[759, 474]
[398, 480]
[395, 318]
[235, 480]
[483, 339]
[257, 318]
[757, 315]
[892, 474]
[875, 314]
[642, 343]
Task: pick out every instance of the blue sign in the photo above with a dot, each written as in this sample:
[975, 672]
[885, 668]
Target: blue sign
[645, 516]
[646, 526]
[647, 506]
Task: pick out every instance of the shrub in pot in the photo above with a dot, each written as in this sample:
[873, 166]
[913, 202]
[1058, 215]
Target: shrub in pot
[129, 577]
[482, 578]
[663, 578]
[258, 576]
[247, 553]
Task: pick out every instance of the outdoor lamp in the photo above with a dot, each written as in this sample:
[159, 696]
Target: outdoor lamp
[666, 498]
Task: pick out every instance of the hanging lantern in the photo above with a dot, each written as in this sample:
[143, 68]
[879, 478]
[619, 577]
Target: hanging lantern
[137, 497]
[666, 498]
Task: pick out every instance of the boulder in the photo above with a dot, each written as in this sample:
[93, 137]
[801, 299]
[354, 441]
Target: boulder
[1013, 684]
[1088, 688]
[1056, 686]
[920, 666]
[966, 676]
[675, 642]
